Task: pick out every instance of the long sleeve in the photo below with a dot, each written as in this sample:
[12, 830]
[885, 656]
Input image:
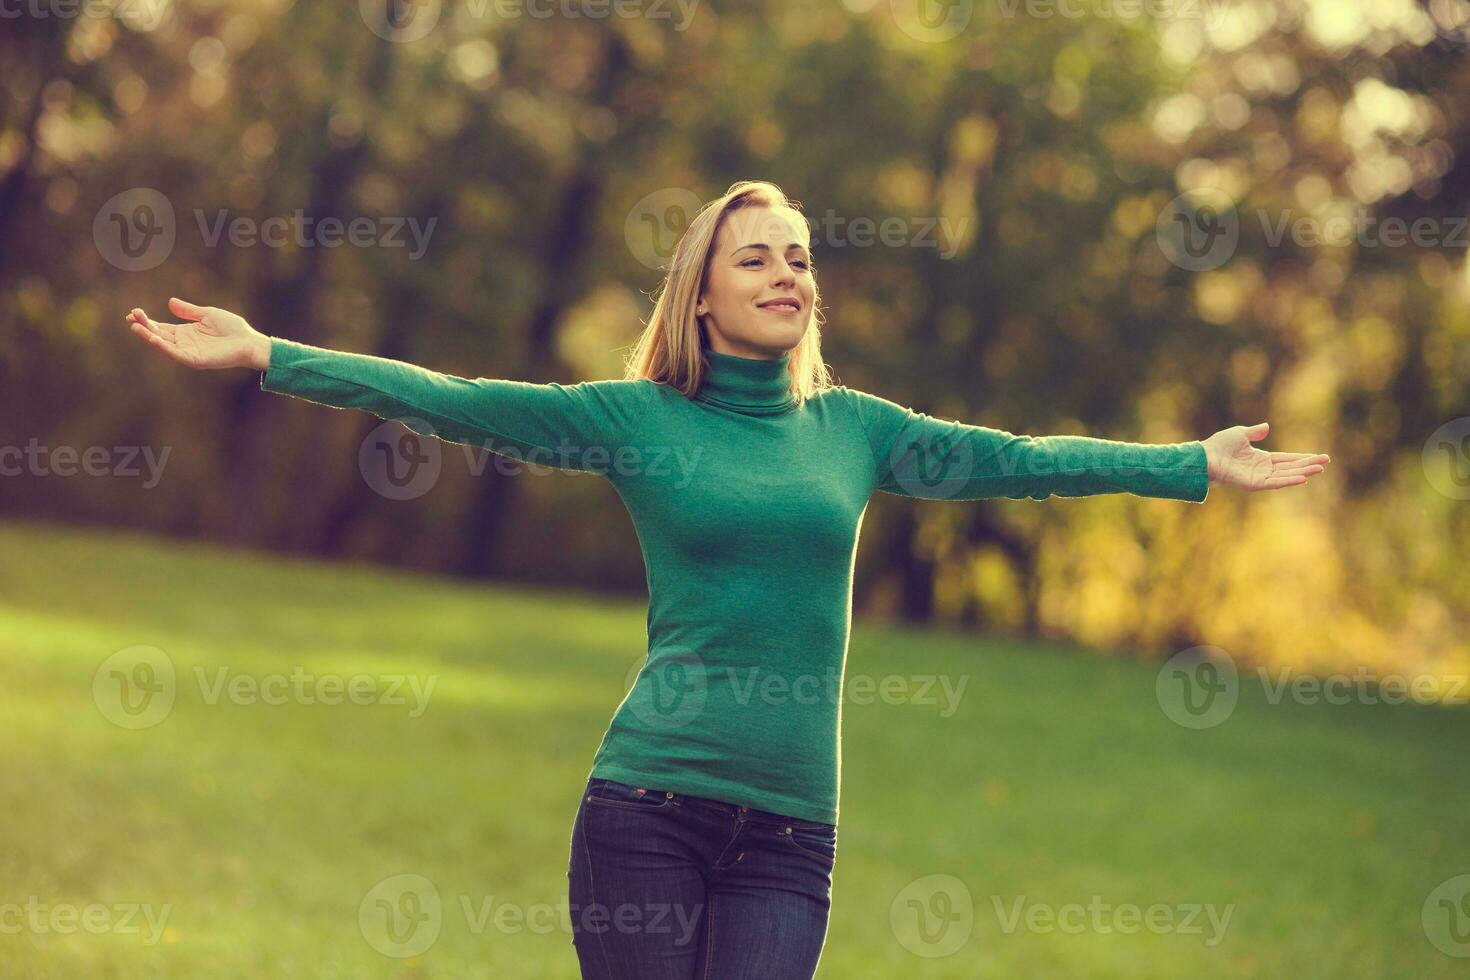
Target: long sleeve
[917, 455]
[571, 427]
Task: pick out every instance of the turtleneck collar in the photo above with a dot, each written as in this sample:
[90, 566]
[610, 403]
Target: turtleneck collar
[746, 384]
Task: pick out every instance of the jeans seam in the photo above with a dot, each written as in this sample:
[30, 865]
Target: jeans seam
[592, 892]
[627, 805]
[592, 797]
[829, 858]
[709, 929]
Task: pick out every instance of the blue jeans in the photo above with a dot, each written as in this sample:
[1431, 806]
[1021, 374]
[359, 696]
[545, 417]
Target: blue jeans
[664, 886]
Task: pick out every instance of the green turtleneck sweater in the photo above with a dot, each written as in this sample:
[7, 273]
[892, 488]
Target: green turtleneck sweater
[747, 508]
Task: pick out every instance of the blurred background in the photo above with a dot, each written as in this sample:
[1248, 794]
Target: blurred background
[1142, 221]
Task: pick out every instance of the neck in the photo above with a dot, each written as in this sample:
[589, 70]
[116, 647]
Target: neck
[751, 386]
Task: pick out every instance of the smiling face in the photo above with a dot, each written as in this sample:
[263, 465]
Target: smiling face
[757, 299]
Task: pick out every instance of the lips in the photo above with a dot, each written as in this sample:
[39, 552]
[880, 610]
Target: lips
[787, 304]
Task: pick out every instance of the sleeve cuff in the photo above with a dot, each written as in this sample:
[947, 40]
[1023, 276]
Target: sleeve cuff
[283, 353]
[1202, 488]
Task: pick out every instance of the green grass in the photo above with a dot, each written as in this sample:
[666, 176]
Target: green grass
[262, 827]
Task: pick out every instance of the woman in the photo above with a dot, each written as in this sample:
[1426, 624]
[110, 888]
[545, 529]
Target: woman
[705, 841]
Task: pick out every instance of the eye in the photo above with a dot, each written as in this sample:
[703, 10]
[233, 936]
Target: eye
[799, 263]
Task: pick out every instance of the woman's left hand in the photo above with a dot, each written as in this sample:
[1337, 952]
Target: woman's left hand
[1234, 462]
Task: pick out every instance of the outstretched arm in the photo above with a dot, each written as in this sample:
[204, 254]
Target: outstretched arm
[917, 455]
[577, 426]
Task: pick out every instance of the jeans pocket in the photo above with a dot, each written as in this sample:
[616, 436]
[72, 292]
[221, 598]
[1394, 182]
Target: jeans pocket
[611, 793]
[812, 839]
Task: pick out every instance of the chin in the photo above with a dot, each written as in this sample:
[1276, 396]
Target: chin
[777, 340]
[769, 339]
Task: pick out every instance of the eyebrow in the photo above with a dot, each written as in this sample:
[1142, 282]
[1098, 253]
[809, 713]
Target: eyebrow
[763, 247]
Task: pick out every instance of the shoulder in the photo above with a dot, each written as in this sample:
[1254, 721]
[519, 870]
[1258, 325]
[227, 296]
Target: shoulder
[633, 393]
[867, 407]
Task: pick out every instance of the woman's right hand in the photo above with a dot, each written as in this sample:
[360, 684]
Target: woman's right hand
[216, 339]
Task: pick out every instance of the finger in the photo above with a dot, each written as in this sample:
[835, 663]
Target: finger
[1279, 482]
[168, 331]
[1257, 432]
[1305, 469]
[140, 321]
[171, 349]
[187, 310]
[1292, 457]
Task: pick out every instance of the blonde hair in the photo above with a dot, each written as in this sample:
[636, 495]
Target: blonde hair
[671, 349]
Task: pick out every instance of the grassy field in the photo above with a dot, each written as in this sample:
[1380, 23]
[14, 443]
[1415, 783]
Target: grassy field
[253, 832]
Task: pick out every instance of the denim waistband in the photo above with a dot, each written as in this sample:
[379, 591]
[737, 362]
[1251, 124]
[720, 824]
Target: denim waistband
[734, 809]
